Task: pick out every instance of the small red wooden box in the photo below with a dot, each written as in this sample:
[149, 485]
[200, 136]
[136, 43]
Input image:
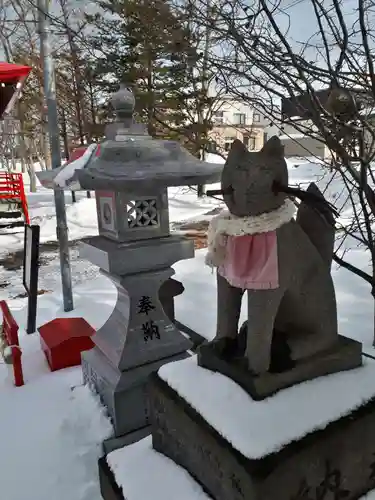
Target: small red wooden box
[63, 340]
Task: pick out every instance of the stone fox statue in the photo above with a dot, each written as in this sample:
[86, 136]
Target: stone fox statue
[282, 262]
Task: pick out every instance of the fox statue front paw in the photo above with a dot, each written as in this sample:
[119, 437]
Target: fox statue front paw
[224, 347]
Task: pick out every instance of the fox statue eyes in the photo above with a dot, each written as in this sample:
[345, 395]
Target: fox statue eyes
[247, 181]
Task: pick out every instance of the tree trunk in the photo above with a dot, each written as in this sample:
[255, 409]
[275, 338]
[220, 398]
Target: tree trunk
[92, 103]
[64, 134]
[21, 137]
[78, 88]
[31, 172]
[42, 162]
[150, 98]
[23, 165]
[32, 177]
[201, 190]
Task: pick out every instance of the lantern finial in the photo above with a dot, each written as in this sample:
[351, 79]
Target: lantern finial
[123, 103]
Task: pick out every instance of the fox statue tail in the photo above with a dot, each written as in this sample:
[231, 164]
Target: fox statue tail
[318, 222]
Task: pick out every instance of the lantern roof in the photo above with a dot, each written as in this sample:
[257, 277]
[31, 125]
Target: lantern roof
[131, 160]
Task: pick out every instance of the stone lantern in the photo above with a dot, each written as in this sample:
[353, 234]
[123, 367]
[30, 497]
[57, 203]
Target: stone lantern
[135, 250]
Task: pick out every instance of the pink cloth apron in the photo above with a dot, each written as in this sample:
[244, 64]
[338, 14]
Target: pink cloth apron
[251, 261]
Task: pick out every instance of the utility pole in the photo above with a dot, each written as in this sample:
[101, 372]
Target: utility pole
[54, 140]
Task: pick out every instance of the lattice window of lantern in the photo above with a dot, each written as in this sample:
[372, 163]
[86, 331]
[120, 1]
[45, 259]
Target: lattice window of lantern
[142, 213]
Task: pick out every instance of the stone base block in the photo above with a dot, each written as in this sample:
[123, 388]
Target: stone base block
[123, 393]
[109, 489]
[115, 443]
[135, 256]
[346, 355]
[335, 462]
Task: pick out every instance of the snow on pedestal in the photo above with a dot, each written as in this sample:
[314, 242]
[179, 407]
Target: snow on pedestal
[144, 473]
[258, 428]
[140, 472]
[314, 437]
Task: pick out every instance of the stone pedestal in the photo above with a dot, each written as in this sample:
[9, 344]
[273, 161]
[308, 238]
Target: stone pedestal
[346, 354]
[124, 393]
[139, 336]
[332, 459]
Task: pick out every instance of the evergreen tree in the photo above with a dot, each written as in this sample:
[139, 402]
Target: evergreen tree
[145, 44]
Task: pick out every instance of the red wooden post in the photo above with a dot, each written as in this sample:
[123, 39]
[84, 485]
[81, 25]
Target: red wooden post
[23, 200]
[17, 367]
[10, 331]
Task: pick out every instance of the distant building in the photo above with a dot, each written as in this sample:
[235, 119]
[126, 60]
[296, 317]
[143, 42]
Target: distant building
[236, 120]
[297, 144]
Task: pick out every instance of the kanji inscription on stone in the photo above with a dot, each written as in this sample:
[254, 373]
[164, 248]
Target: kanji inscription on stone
[150, 330]
[145, 305]
[329, 487]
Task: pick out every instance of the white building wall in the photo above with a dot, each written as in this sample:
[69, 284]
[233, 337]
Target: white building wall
[234, 113]
[297, 144]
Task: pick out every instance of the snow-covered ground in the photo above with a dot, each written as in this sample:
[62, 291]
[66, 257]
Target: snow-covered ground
[53, 426]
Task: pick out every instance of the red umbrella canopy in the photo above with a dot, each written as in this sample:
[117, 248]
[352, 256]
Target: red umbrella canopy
[13, 73]
[79, 151]
[12, 77]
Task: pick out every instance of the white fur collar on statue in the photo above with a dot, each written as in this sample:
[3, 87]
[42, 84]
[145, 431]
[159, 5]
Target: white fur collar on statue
[226, 224]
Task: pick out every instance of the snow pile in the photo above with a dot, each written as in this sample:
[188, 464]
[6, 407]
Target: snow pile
[144, 473]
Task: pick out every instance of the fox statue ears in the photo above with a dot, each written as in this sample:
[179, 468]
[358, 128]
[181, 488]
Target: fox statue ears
[238, 148]
[272, 148]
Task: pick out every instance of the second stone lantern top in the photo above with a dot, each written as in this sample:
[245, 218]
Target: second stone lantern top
[131, 161]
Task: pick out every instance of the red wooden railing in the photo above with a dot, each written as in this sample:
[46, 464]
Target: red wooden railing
[12, 189]
[10, 333]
